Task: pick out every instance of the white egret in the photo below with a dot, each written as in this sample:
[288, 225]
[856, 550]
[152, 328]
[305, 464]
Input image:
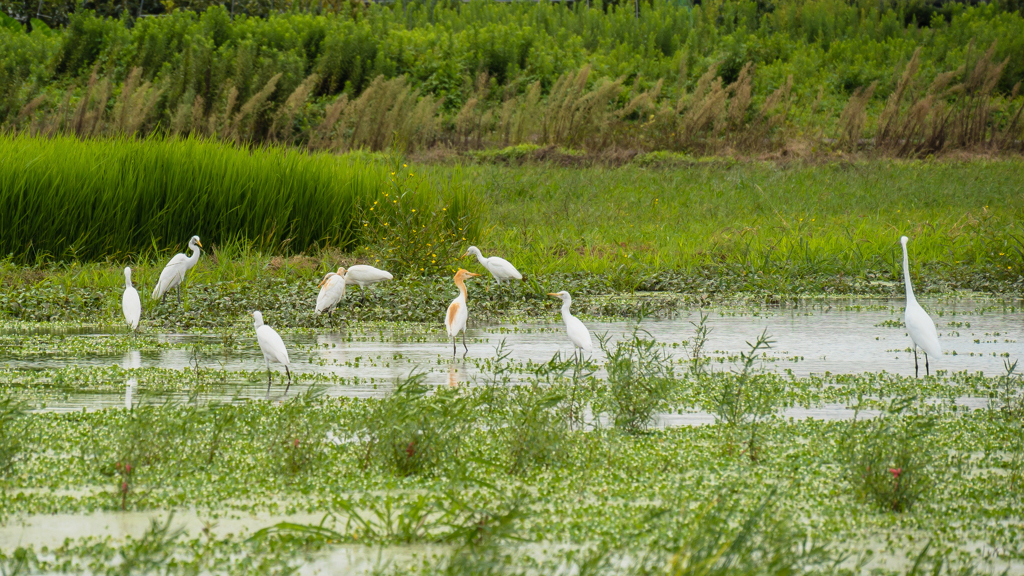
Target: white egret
[332, 290]
[919, 324]
[500, 268]
[578, 333]
[273, 349]
[131, 305]
[458, 313]
[175, 271]
[365, 276]
[129, 391]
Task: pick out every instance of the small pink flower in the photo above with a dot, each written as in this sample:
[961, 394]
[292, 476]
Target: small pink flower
[124, 486]
[296, 442]
[127, 468]
[895, 472]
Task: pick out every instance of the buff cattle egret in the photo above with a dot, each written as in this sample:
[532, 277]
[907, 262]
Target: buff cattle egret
[131, 304]
[919, 324]
[273, 349]
[332, 290]
[175, 271]
[365, 276]
[500, 268]
[455, 319]
[578, 333]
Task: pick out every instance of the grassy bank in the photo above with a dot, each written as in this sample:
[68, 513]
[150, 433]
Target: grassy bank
[704, 230]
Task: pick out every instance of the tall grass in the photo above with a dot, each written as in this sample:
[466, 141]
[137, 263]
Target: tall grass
[61, 198]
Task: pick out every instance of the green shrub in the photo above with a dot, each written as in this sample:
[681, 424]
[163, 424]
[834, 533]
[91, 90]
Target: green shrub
[640, 382]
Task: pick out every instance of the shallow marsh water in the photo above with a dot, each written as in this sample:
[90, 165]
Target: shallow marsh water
[838, 337]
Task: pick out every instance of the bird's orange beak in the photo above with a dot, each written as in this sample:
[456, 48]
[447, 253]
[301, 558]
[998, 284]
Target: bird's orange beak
[464, 255]
[198, 243]
[472, 274]
[555, 295]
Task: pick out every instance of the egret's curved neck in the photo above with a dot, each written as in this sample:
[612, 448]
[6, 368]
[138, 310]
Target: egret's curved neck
[565, 308]
[480, 258]
[127, 280]
[906, 276]
[195, 255]
[258, 322]
[462, 288]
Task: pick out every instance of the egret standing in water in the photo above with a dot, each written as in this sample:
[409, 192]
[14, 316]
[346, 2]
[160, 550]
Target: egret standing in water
[273, 349]
[574, 328]
[175, 271]
[458, 313]
[919, 324]
[365, 276]
[500, 268]
[131, 304]
[332, 290]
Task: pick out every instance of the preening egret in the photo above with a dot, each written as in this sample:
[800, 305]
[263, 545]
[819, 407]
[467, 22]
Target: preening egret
[273, 349]
[500, 268]
[455, 319]
[919, 324]
[131, 305]
[578, 333]
[175, 271]
[332, 290]
[365, 276]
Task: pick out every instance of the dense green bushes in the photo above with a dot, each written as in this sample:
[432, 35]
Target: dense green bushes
[485, 73]
[61, 198]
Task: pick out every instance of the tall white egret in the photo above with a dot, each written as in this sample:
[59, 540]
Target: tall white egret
[577, 332]
[273, 349]
[365, 276]
[919, 324]
[500, 268]
[332, 290]
[131, 305]
[175, 271]
[458, 313]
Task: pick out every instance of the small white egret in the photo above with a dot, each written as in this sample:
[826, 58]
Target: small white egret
[365, 276]
[458, 313]
[175, 271]
[273, 349]
[500, 268]
[332, 290]
[131, 305]
[577, 332]
[919, 324]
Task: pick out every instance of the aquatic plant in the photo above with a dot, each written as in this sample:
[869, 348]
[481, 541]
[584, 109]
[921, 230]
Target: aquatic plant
[640, 381]
[889, 460]
[12, 411]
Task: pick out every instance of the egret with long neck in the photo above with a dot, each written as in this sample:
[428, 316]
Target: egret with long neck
[458, 313]
[574, 327]
[920, 326]
[176, 269]
[131, 304]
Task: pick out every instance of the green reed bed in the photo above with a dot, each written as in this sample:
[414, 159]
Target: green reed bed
[64, 199]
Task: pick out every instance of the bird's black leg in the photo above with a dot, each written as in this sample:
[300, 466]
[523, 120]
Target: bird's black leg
[464, 344]
[286, 371]
[454, 340]
[163, 298]
[269, 380]
[915, 362]
[926, 373]
[179, 293]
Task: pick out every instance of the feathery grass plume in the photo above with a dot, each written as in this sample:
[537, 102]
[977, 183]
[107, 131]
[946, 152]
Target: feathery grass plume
[222, 127]
[283, 125]
[197, 116]
[29, 109]
[181, 120]
[91, 110]
[740, 99]
[1012, 132]
[851, 121]
[134, 104]
[322, 135]
[974, 108]
[245, 120]
[887, 121]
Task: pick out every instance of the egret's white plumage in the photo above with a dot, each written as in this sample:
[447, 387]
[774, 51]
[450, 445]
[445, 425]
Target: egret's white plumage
[574, 328]
[176, 269]
[919, 324]
[365, 276]
[500, 268]
[332, 290]
[458, 313]
[129, 391]
[273, 349]
[131, 304]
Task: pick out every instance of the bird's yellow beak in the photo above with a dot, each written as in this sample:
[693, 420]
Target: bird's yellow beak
[473, 274]
[198, 243]
[555, 295]
[464, 255]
